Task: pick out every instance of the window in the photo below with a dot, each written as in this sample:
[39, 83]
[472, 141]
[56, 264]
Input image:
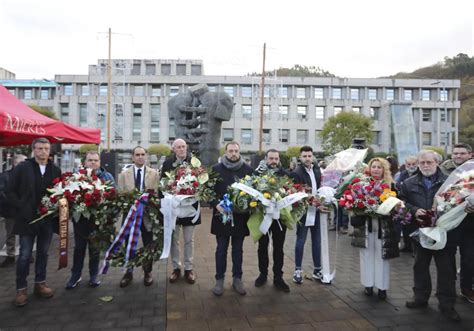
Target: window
[65, 112]
[266, 111]
[212, 88]
[44, 94]
[372, 94]
[229, 90]
[318, 93]
[28, 94]
[356, 110]
[246, 91]
[228, 134]
[119, 90]
[443, 138]
[174, 90]
[155, 114]
[138, 91]
[137, 122]
[390, 94]
[426, 138]
[266, 92]
[83, 114]
[284, 135]
[408, 95]
[301, 111]
[247, 111]
[354, 94]
[181, 69]
[336, 93]
[68, 90]
[196, 69]
[150, 69]
[320, 112]
[283, 110]
[301, 137]
[301, 93]
[374, 113]
[337, 110]
[136, 69]
[442, 116]
[166, 69]
[156, 90]
[12, 91]
[283, 91]
[377, 138]
[171, 128]
[426, 115]
[103, 90]
[425, 95]
[119, 122]
[317, 137]
[85, 90]
[443, 96]
[101, 109]
[267, 136]
[246, 136]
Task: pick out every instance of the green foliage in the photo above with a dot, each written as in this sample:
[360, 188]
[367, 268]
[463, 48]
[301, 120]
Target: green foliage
[297, 71]
[87, 148]
[439, 150]
[159, 150]
[339, 130]
[293, 151]
[44, 111]
[285, 160]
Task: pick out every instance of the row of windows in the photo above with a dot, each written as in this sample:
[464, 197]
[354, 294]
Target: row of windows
[30, 94]
[150, 69]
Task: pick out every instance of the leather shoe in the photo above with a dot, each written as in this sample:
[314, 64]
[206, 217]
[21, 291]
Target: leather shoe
[382, 294]
[368, 291]
[126, 279]
[416, 304]
[175, 275]
[451, 314]
[21, 298]
[261, 280]
[190, 276]
[42, 290]
[148, 280]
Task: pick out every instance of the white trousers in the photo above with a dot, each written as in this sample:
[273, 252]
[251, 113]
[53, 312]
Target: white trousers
[188, 236]
[374, 271]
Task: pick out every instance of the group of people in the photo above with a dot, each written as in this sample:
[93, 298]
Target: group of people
[416, 185]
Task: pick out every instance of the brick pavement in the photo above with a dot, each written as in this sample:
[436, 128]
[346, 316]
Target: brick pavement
[310, 306]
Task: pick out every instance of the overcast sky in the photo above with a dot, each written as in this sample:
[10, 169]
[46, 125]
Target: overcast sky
[363, 38]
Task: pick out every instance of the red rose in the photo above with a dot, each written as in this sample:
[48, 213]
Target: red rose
[195, 184]
[371, 202]
[360, 205]
[43, 210]
[356, 180]
[82, 171]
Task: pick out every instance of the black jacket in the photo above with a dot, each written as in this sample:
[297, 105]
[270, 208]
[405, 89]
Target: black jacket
[169, 165]
[228, 177]
[25, 190]
[5, 208]
[301, 176]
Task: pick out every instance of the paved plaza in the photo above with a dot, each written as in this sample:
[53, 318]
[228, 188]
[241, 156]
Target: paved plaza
[181, 306]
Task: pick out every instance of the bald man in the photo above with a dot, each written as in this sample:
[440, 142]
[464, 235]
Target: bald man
[180, 155]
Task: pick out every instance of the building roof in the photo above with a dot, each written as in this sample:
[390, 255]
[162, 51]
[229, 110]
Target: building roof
[28, 83]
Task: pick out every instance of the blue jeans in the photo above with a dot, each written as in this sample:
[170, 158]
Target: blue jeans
[221, 255]
[301, 233]
[43, 241]
[80, 246]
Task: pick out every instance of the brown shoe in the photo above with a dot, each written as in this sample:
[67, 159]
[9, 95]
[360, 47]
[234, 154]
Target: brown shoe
[148, 280]
[42, 290]
[126, 279]
[190, 276]
[175, 275]
[21, 298]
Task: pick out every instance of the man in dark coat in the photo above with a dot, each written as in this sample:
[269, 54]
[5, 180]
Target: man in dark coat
[27, 186]
[272, 165]
[231, 168]
[308, 173]
[180, 149]
[418, 193]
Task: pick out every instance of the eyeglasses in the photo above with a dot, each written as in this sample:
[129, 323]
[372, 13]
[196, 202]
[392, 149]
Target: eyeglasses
[426, 162]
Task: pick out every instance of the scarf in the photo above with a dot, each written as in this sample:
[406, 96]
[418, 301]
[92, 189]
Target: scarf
[234, 166]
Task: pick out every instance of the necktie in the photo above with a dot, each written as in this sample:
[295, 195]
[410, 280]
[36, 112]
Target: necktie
[138, 180]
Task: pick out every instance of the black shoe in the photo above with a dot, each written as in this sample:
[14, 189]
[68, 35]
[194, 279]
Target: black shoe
[8, 262]
[416, 304]
[450, 314]
[126, 279]
[261, 280]
[406, 249]
[369, 291]
[280, 284]
[382, 294]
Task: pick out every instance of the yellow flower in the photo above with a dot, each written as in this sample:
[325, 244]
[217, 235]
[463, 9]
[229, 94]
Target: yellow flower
[267, 195]
[253, 204]
[242, 193]
[383, 197]
[272, 181]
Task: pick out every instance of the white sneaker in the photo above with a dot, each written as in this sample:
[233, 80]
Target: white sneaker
[298, 276]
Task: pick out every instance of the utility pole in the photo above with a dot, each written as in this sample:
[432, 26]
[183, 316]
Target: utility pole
[262, 88]
[109, 89]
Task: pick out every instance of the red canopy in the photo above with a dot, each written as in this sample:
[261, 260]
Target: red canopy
[19, 124]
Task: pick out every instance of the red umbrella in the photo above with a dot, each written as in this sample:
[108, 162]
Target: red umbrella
[19, 124]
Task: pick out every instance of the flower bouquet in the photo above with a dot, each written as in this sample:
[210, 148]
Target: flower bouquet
[269, 197]
[448, 208]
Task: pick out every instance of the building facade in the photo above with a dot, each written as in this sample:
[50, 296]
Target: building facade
[295, 108]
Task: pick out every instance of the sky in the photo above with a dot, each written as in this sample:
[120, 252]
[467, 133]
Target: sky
[363, 38]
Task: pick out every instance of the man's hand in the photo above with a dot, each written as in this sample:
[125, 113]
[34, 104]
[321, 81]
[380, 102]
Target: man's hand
[220, 209]
[420, 213]
[324, 209]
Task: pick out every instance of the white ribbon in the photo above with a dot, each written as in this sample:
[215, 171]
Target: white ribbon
[326, 194]
[272, 207]
[173, 207]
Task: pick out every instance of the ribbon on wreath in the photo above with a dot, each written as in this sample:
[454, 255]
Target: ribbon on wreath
[226, 204]
[63, 232]
[272, 208]
[326, 195]
[131, 229]
[173, 207]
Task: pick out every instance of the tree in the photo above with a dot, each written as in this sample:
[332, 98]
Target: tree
[339, 130]
[297, 71]
[293, 151]
[159, 150]
[87, 148]
[44, 111]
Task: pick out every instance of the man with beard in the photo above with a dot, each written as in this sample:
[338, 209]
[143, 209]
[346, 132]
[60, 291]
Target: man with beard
[272, 165]
[461, 153]
[418, 193]
[231, 168]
